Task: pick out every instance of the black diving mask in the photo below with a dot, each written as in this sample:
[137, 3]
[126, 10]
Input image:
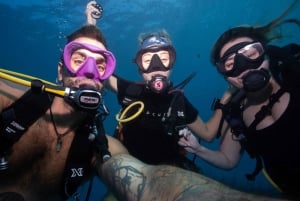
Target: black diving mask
[240, 57]
[153, 44]
[154, 65]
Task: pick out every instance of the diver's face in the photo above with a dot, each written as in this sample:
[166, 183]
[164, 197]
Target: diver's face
[78, 58]
[237, 80]
[163, 55]
[232, 43]
[155, 63]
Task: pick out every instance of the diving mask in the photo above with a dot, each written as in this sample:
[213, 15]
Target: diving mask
[97, 70]
[155, 62]
[153, 45]
[240, 57]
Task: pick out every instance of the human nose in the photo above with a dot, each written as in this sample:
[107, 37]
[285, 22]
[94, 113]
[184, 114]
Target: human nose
[90, 68]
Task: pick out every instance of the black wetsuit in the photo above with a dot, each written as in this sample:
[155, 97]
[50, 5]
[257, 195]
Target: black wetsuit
[279, 144]
[145, 137]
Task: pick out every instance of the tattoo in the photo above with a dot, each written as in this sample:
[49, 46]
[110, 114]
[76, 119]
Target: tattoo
[133, 180]
[129, 180]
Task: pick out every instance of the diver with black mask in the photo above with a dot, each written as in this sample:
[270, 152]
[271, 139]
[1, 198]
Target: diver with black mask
[148, 135]
[155, 58]
[245, 56]
[260, 115]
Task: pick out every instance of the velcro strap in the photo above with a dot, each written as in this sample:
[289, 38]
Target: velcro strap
[16, 119]
[78, 162]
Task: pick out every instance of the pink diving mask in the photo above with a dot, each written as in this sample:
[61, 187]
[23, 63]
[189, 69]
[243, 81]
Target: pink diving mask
[89, 67]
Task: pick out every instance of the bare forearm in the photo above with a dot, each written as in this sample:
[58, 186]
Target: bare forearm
[215, 158]
[132, 180]
[222, 158]
[207, 131]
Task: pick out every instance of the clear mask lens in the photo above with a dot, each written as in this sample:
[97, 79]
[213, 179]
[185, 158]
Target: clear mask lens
[252, 51]
[241, 57]
[148, 58]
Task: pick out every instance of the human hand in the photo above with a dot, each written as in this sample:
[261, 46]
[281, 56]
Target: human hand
[188, 140]
[93, 12]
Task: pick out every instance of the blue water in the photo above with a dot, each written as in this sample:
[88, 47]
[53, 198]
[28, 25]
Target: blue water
[33, 33]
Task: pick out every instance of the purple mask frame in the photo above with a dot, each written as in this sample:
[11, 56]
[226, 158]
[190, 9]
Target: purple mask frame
[89, 66]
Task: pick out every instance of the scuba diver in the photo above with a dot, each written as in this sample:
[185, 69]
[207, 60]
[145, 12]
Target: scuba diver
[261, 116]
[47, 150]
[152, 136]
[51, 136]
[155, 114]
[59, 138]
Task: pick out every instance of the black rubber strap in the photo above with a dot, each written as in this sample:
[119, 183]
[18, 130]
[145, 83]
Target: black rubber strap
[16, 119]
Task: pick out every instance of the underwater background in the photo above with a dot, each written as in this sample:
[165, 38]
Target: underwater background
[33, 33]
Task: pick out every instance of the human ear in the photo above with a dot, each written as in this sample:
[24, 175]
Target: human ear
[59, 71]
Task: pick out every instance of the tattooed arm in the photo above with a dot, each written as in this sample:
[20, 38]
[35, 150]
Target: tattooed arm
[133, 180]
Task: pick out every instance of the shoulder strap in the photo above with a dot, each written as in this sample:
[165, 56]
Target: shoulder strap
[258, 168]
[260, 115]
[231, 112]
[171, 122]
[77, 163]
[18, 117]
[90, 138]
[266, 109]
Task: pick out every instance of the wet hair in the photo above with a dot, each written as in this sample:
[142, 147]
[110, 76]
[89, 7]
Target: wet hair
[89, 31]
[263, 34]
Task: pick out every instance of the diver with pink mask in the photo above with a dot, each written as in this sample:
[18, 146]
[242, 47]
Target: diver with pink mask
[49, 144]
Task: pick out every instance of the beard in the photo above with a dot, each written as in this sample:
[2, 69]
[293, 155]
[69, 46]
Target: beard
[82, 82]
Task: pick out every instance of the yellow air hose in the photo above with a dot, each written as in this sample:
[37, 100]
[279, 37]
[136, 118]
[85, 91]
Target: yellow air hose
[11, 76]
[54, 89]
[121, 117]
[270, 180]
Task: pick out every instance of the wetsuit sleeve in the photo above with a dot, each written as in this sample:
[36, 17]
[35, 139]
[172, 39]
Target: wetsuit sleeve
[191, 111]
[122, 85]
[128, 89]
